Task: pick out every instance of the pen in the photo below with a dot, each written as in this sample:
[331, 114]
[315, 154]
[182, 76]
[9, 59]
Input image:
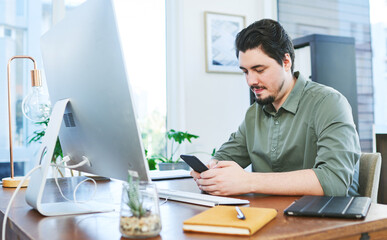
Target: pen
[240, 215]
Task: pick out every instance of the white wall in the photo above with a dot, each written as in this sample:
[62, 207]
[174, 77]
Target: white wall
[211, 105]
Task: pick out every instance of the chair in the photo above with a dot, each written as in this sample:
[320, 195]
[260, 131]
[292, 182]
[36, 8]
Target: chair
[369, 175]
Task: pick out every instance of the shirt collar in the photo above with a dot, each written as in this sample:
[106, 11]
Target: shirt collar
[292, 101]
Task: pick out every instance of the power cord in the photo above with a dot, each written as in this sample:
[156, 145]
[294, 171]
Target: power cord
[13, 198]
[80, 164]
[60, 164]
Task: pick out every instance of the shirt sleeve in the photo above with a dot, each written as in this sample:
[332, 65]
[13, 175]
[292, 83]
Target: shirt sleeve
[338, 147]
[235, 148]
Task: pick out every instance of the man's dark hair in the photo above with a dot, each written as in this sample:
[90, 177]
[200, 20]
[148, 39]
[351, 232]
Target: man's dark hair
[270, 36]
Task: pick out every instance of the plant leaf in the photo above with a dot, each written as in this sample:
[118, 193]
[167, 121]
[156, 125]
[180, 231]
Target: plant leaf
[179, 136]
[213, 152]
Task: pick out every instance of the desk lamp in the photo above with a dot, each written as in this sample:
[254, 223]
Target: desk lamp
[35, 106]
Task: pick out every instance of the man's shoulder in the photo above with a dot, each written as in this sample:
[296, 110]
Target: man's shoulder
[319, 97]
[316, 91]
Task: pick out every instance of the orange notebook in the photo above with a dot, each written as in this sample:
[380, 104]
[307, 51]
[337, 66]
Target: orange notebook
[223, 220]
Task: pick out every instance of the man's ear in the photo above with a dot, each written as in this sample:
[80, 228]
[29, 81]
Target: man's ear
[287, 62]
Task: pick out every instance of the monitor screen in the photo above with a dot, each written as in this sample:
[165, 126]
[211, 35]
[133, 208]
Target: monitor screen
[83, 62]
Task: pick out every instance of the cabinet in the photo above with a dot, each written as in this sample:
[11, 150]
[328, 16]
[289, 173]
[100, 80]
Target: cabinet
[329, 60]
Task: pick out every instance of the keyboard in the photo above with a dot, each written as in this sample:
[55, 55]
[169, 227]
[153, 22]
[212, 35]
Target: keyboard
[199, 199]
[169, 174]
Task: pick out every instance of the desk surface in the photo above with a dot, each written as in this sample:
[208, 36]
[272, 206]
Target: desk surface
[26, 223]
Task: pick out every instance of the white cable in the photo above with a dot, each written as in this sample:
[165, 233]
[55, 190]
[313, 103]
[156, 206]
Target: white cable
[79, 184]
[13, 198]
[85, 161]
[64, 160]
[80, 164]
[76, 188]
[57, 184]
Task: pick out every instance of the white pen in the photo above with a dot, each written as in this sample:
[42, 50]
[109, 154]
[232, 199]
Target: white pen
[240, 215]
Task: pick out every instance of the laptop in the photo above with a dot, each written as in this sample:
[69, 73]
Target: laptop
[328, 206]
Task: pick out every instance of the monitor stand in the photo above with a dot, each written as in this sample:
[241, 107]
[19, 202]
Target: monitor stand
[38, 179]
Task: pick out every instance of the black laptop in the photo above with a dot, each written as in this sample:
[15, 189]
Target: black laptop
[326, 206]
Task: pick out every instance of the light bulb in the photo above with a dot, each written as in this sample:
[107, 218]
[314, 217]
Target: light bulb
[36, 105]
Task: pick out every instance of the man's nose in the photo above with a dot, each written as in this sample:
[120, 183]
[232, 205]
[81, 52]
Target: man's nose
[252, 79]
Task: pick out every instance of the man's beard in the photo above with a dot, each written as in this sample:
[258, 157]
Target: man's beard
[265, 101]
[262, 101]
[269, 99]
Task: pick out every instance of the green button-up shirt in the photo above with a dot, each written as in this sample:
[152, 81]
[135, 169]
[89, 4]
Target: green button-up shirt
[313, 129]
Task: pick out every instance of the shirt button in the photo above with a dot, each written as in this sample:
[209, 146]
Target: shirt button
[276, 122]
[273, 149]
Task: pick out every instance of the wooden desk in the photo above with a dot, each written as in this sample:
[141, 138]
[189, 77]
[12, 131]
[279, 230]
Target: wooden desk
[26, 223]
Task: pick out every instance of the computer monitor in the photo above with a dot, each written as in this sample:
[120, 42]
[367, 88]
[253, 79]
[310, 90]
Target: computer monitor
[84, 64]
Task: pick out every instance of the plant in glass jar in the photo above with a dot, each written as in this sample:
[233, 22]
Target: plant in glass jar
[139, 216]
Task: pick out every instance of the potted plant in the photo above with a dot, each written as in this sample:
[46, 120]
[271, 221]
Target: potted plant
[38, 135]
[170, 161]
[139, 215]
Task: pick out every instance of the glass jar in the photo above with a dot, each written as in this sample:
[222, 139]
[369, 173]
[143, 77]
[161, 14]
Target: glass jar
[140, 213]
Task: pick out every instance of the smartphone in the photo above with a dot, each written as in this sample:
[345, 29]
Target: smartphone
[194, 163]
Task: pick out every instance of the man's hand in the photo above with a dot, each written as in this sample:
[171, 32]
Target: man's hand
[222, 178]
[211, 164]
[228, 178]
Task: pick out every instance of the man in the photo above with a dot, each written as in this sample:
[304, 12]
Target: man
[299, 137]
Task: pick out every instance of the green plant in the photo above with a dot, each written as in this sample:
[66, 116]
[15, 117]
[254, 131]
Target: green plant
[37, 136]
[151, 161]
[176, 137]
[135, 202]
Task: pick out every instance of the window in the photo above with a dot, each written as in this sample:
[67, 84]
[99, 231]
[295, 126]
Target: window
[18, 38]
[7, 32]
[142, 26]
[385, 46]
[20, 7]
